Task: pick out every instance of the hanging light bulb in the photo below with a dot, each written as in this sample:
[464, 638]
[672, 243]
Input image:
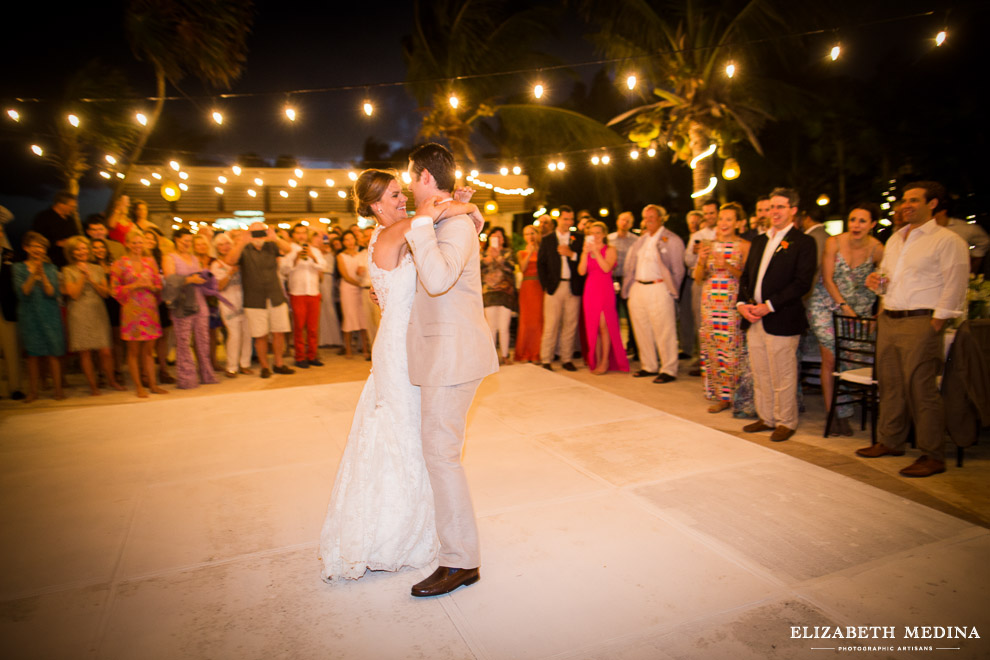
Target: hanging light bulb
[290, 113]
[561, 164]
[595, 160]
[730, 69]
[284, 193]
[298, 172]
[406, 179]
[603, 212]
[141, 118]
[110, 159]
[834, 54]
[634, 154]
[538, 91]
[105, 175]
[517, 170]
[293, 183]
[631, 82]
[259, 181]
[454, 101]
[74, 120]
[606, 159]
[156, 176]
[217, 117]
[341, 194]
[183, 187]
[183, 175]
[222, 179]
[651, 152]
[145, 182]
[252, 192]
[13, 114]
[504, 171]
[822, 200]
[368, 108]
[474, 174]
[940, 38]
[218, 190]
[458, 174]
[352, 175]
[236, 169]
[550, 166]
[329, 183]
[730, 170]
[174, 164]
[314, 194]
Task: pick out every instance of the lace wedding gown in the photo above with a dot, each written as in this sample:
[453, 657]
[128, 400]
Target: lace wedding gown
[381, 513]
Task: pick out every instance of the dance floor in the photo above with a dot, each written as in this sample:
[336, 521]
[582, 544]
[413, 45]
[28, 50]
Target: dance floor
[188, 528]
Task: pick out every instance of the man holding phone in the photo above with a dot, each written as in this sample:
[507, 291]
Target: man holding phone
[303, 268]
[256, 252]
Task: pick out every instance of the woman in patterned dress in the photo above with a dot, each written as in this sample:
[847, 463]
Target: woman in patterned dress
[498, 288]
[847, 260]
[39, 312]
[135, 282]
[85, 286]
[720, 264]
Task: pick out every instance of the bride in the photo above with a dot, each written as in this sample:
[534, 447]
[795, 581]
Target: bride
[381, 512]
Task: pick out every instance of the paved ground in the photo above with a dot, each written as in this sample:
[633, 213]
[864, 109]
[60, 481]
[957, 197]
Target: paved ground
[618, 520]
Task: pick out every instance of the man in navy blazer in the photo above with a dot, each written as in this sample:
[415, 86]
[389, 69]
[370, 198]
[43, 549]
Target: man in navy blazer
[557, 267]
[778, 273]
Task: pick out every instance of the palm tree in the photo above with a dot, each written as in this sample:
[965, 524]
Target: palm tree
[456, 46]
[204, 38]
[684, 47]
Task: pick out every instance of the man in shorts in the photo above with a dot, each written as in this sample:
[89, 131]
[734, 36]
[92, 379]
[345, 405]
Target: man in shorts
[256, 253]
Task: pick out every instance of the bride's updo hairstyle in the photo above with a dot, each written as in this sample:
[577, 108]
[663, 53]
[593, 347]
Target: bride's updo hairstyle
[369, 188]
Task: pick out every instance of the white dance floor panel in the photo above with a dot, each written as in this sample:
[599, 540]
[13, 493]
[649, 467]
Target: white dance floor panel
[188, 529]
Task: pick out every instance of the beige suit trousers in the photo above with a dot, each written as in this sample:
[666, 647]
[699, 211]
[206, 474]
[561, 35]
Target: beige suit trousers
[560, 320]
[909, 359]
[653, 315]
[445, 412]
[773, 361]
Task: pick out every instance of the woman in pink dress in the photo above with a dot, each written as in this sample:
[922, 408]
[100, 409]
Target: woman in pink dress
[601, 320]
[135, 283]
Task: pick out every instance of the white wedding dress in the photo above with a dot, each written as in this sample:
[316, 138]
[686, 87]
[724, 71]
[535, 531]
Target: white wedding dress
[381, 512]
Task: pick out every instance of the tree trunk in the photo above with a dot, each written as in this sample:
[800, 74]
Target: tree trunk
[700, 140]
[145, 134]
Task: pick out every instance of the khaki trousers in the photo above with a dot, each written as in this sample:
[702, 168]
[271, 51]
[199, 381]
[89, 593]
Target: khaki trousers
[909, 359]
[654, 322]
[560, 319]
[444, 420]
[10, 352]
[773, 361]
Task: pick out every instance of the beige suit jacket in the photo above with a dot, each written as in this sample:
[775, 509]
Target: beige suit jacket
[448, 342]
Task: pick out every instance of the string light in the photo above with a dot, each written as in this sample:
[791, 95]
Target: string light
[105, 175]
[222, 179]
[252, 192]
[156, 176]
[236, 169]
[595, 160]
[834, 54]
[120, 175]
[454, 101]
[329, 183]
[293, 183]
[731, 169]
[74, 120]
[217, 117]
[183, 175]
[341, 194]
[298, 172]
[314, 194]
[504, 171]
[631, 82]
[259, 182]
[822, 200]
[290, 113]
[145, 182]
[458, 174]
[603, 212]
[110, 159]
[352, 175]
[550, 166]
[707, 189]
[218, 190]
[13, 114]
[474, 173]
[651, 152]
[368, 108]
[517, 170]
[538, 91]
[730, 69]
[634, 154]
[606, 159]
[939, 38]
[174, 164]
[141, 118]
[183, 187]
[704, 154]
[561, 164]
[284, 193]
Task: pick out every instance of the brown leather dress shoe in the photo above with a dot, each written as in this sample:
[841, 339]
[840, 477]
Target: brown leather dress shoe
[444, 580]
[757, 426]
[781, 433]
[878, 450]
[925, 466]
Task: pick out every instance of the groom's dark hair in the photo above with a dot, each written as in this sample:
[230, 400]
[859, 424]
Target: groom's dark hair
[438, 160]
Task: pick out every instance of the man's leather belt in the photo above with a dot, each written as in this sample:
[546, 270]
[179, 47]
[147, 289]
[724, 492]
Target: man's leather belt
[565, 279]
[904, 313]
[649, 282]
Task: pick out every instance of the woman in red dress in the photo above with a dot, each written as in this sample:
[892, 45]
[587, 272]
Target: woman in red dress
[530, 328]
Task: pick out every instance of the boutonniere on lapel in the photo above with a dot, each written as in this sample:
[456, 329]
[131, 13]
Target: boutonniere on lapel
[782, 247]
[664, 238]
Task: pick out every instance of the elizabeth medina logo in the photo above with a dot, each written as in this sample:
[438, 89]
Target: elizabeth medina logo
[885, 638]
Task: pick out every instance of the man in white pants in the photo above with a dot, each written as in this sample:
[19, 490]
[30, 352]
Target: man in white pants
[654, 270]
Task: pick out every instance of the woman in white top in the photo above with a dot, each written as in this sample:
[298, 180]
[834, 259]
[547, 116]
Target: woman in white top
[354, 283]
[238, 346]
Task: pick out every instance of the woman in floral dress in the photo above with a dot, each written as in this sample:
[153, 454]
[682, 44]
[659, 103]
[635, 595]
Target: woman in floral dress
[498, 288]
[39, 312]
[135, 282]
[720, 264]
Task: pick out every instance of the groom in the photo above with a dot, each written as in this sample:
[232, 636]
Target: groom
[450, 351]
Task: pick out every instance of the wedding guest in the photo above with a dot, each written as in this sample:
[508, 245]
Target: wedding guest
[204, 252]
[303, 267]
[847, 261]
[687, 335]
[96, 229]
[530, 326]
[190, 315]
[354, 283]
[654, 270]
[10, 349]
[601, 319]
[498, 288]
[57, 224]
[100, 255]
[717, 272]
[238, 347]
[622, 239]
[39, 314]
[135, 282]
[557, 261]
[329, 332]
[154, 242]
[705, 232]
[85, 285]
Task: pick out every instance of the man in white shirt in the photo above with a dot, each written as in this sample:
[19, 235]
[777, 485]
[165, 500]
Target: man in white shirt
[654, 269]
[709, 213]
[303, 267]
[976, 239]
[927, 269]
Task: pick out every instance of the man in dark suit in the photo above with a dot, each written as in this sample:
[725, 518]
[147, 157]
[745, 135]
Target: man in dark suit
[557, 267]
[779, 271]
